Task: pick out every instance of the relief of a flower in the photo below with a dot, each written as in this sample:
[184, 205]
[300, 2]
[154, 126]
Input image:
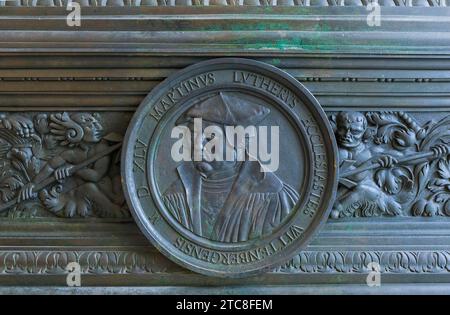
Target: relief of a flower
[443, 170]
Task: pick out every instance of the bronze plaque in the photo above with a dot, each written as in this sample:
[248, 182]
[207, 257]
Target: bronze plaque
[230, 167]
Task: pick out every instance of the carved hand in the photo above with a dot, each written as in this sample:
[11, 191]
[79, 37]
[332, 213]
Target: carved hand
[387, 161]
[27, 192]
[63, 172]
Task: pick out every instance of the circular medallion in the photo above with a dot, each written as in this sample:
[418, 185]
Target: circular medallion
[229, 167]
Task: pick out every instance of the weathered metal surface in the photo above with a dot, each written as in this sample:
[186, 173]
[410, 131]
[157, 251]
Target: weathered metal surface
[401, 67]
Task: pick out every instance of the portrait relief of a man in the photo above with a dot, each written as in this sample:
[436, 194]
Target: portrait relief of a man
[228, 200]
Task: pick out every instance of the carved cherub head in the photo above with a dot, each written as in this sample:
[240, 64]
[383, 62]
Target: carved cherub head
[351, 129]
[76, 128]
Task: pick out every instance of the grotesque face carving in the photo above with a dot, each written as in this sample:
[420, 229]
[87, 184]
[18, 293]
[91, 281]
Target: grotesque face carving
[351, 127]
[9, 184]
[93, 130]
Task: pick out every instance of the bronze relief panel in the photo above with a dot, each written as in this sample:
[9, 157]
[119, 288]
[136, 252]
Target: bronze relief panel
[232, 210]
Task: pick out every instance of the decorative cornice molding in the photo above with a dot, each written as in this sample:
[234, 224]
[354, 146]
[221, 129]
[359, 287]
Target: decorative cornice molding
[397, 262]
[91, 262]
